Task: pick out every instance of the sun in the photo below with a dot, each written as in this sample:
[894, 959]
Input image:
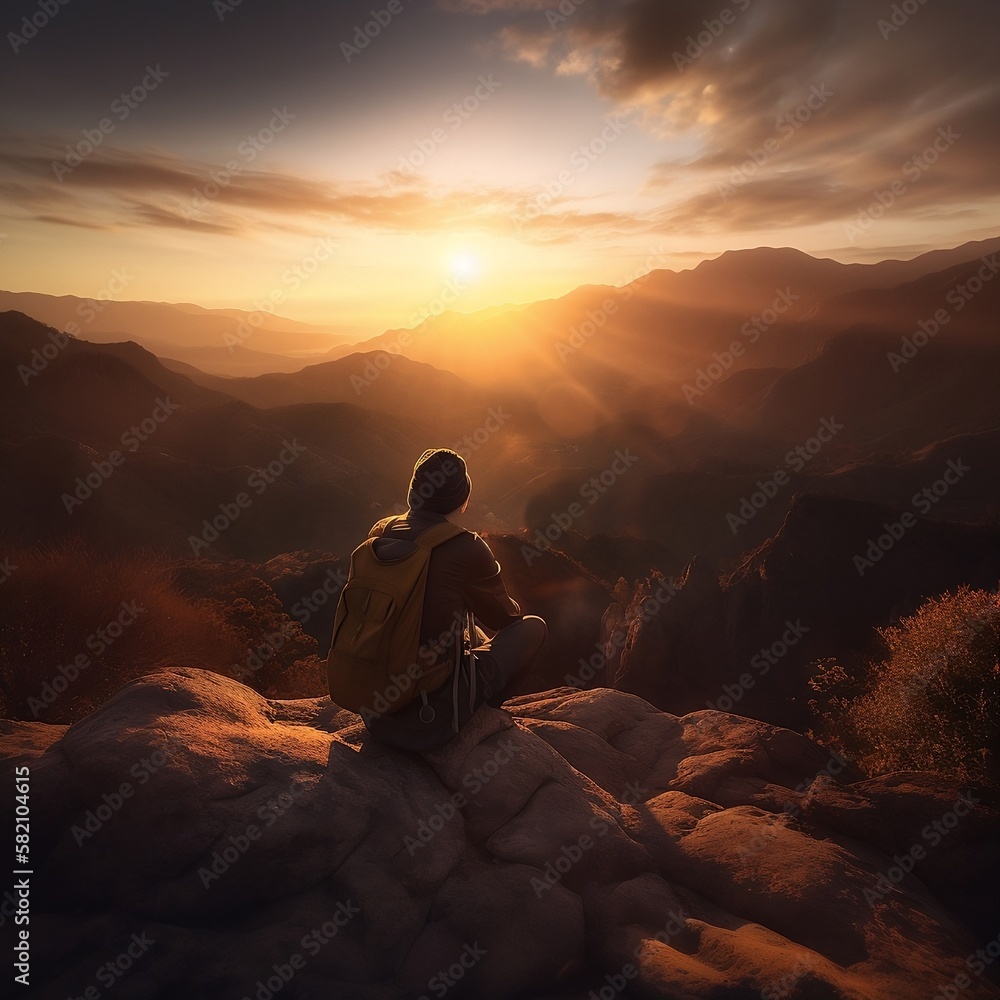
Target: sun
[465, 266]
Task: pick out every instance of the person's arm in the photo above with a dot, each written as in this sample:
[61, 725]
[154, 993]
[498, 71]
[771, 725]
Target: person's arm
[484, 590]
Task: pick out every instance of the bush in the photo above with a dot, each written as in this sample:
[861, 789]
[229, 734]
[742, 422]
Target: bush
[930, 704]
[76, 626]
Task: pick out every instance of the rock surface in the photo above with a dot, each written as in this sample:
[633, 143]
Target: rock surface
[192, 839]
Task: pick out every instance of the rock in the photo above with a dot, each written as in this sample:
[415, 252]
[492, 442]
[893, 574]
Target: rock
[747, 641]
[207, 842]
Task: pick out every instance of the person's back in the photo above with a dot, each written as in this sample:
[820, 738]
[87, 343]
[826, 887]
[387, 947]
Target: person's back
[463, 575]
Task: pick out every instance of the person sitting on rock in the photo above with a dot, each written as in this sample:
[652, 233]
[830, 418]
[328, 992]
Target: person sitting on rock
[463, 575]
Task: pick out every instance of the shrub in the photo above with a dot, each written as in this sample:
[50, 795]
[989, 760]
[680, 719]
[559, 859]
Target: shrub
[76, 626]
[930, 704]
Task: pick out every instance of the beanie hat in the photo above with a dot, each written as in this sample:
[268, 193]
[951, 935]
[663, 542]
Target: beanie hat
[440, 482]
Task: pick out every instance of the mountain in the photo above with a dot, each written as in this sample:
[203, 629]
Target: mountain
[959, 302]
[226, 341]
[664, 325]
[886, 402]
[375, 379]
[103, 440]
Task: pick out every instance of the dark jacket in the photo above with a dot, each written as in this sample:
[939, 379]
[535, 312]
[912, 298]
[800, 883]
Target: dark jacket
[462, 574]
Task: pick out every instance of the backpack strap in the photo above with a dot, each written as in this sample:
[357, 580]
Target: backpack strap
[389, 522]
[438, 533]
[472, 661]
[467, 621]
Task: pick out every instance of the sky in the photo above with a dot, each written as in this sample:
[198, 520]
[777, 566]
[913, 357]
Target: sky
[358, 165]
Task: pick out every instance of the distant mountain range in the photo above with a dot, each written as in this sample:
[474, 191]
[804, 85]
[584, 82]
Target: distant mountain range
[228, 341]
[537, 413]
[666, 324]
[660, 321]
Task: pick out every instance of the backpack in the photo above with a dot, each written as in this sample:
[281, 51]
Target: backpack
[375, 663]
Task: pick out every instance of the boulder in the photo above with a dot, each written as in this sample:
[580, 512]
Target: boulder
[191, 838]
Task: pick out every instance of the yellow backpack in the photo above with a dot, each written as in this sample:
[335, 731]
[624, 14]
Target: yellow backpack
[375, 664]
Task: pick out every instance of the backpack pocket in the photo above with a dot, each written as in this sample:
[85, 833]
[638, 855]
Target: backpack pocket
[361, 634]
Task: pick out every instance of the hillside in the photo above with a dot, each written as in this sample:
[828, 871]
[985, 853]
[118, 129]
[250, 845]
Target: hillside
[104, 441]
[227, 341]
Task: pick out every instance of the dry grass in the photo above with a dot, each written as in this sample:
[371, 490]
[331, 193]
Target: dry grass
[930, 704]
[55, 607]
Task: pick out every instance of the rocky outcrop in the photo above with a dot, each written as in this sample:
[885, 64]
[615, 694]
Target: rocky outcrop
[194, 839]
[748, 642]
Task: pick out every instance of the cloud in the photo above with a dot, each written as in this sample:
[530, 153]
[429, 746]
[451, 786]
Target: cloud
[115, 188]
[119, 187]
[722, 84]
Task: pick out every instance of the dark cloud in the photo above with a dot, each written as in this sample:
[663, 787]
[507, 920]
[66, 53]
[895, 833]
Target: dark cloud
[735, 85]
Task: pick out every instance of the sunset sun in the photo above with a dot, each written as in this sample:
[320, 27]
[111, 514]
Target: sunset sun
[465, 266]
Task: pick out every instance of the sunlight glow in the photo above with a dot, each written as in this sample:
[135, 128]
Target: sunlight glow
[465, 266]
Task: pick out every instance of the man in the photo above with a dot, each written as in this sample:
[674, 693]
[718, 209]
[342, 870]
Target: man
[462, 575]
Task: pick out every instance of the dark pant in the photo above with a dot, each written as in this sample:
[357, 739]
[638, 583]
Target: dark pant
[503, 657]
[498, 661]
